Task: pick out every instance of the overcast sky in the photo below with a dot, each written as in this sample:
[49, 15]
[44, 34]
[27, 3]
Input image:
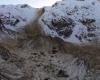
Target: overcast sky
[33, 3]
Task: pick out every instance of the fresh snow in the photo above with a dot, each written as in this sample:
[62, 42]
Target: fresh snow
[23, 13]
[79, 10]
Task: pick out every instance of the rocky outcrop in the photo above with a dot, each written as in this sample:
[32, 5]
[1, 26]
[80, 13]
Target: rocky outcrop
[14, 18]
[74, 21]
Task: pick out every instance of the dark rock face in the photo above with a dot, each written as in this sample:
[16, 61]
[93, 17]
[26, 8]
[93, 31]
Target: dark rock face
[63, 26]
[87, 21]
[24, 5]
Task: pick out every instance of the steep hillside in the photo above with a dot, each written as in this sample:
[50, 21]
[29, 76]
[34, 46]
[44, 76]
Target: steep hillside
[75, 21]
[31, 48]
[14, 18]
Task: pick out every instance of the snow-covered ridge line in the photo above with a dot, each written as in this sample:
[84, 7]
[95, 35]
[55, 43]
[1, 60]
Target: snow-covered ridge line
[75, 21]
[14, 17]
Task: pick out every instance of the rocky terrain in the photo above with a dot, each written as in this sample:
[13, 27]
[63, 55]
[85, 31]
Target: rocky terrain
[52, 43]
[74, 21]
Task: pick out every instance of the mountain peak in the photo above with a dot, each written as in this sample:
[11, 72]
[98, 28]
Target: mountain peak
[78, 19]
[14, 17]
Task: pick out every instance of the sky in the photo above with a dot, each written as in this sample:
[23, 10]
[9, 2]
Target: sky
[33, 3]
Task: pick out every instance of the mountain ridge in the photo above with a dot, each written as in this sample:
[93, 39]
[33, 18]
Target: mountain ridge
[33, 54]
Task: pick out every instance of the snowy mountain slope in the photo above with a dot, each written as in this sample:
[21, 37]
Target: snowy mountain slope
[75, 21]
[16, 17]
[34, 56]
